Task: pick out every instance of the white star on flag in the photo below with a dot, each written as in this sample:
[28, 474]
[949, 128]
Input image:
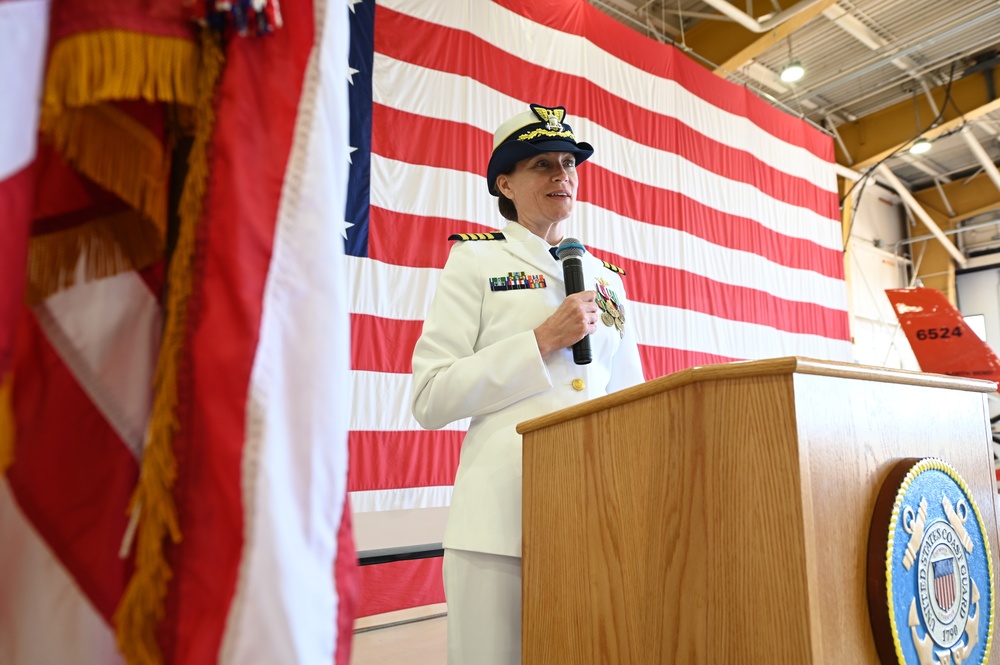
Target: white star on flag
[344, 225]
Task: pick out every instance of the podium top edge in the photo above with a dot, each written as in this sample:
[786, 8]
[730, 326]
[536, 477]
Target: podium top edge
[759, 368]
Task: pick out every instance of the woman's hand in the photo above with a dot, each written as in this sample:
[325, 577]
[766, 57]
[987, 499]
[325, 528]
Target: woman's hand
[575, 318]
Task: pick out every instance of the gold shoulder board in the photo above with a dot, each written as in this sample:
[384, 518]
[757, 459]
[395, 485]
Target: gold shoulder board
[613, 268]
[476, 236]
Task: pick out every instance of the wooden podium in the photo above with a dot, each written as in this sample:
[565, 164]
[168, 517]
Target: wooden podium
[721, 514]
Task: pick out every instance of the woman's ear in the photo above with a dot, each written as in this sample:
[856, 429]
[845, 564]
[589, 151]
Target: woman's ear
[503, 185]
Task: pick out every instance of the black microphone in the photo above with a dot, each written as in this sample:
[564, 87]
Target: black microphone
[570, 252]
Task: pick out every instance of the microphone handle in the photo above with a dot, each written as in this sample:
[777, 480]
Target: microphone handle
[573, 276]
[581, 351]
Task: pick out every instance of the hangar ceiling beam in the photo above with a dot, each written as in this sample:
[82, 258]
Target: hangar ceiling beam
[876, 136]
[731, 45]
[921, 214]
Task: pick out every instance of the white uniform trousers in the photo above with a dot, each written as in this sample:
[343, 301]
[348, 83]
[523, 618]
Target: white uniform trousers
[483, 592]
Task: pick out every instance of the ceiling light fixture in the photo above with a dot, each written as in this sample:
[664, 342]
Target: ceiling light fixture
[794, 70]
[920, 146]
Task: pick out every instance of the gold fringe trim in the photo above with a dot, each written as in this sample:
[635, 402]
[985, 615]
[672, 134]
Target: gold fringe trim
[141, 608]
[7, 431]
[110, 245]
[118, 152]
[89, 70]
[106, 65]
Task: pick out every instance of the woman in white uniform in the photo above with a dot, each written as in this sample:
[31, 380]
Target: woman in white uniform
[496, 347]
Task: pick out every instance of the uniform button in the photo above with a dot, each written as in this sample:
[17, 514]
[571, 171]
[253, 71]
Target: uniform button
[578, 384]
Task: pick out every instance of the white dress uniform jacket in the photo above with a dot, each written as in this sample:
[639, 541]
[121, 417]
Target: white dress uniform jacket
[477, 358]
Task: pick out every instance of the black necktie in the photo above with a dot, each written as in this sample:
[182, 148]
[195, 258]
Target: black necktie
[554, 253]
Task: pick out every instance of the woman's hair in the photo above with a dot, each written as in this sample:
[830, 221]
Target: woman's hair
[507, 208]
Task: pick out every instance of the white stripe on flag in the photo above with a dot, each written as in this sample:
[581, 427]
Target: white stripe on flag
[46, 618]
[389, 291]
[382, 404]
[24, 28]
[663, 326]
[415, 287]
[404, 498]
[108, 333]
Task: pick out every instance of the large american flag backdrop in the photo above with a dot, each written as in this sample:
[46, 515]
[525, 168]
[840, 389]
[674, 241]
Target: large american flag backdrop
[721, 208]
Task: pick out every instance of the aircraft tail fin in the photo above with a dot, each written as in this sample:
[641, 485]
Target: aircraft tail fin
[942, 341]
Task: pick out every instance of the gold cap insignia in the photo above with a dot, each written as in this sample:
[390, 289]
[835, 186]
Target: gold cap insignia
[551, 117]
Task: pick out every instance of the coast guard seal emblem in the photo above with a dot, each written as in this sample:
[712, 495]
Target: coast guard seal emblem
[930, 569]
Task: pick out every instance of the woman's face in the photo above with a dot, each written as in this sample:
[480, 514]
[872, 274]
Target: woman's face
[543, 188]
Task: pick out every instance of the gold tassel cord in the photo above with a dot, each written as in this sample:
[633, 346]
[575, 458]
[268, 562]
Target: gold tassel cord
[7, 431]
[142, 605]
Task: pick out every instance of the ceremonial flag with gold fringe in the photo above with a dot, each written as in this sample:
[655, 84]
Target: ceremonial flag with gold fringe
[264, 570]
[84, 352]
[73, 424]
[240, 409]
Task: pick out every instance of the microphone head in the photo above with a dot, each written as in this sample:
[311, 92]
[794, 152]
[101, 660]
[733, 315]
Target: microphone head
[569, 247]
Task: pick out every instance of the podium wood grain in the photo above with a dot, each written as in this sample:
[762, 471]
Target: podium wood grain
[721, 514]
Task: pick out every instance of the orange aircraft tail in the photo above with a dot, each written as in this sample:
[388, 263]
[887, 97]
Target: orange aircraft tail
[942, 341]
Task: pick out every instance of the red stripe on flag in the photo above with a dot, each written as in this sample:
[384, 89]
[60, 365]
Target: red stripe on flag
[387, 587]
[446, 49]
[670, 287]
[659, 361]
[383, 345]
[425, 242]
[466, 148]
[677, 211]
[648, 55]
[72, 476]
[602, 188]
[392, 460]
[345, 578]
